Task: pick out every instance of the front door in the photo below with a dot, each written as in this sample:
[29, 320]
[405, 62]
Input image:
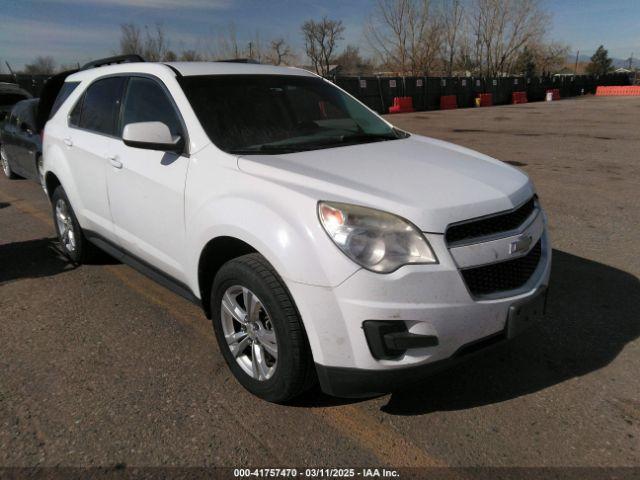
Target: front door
[146, 187]
[27, 140]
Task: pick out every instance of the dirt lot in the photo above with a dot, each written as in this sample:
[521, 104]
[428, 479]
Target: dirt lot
[100, 366]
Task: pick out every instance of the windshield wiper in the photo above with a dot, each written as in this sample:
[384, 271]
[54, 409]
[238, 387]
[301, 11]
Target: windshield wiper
[327, 142]
[356, 137]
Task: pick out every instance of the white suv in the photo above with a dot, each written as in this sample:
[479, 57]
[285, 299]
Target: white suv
[325, 244]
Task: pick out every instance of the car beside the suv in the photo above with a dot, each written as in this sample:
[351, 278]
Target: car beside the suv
[324, 243]
[20, 142]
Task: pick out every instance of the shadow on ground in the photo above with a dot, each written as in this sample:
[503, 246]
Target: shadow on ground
[37, 258]
[31, 259]
[592, 313]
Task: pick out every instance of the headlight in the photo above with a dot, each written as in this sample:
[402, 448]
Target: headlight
[378, 241]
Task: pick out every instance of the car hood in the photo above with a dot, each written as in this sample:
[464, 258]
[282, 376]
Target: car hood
[429, 182]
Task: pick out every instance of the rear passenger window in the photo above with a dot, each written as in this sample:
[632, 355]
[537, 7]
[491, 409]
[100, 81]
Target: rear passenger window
[146, 101]
[101, 105]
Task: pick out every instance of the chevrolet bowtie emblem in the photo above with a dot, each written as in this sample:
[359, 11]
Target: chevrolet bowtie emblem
[520, 245]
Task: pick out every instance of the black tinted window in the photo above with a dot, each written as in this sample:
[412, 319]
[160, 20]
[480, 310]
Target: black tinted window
[21, 113]
[63, 94]
[101, 105]
[74, 116]
[28, 114]
[272, 113]
[146, 101]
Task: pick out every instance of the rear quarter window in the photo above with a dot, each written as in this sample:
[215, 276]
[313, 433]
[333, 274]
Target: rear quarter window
[63, 94]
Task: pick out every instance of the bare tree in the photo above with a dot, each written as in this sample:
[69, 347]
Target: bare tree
[130, 39]
[502, 28]
[405, 34]
[451, 26]
[226, 44]
[549, 57]
[352, 63]
[280, 51]
[156, 45]
[320, 41]
[254, 49]
[41, 66]
[190, 56]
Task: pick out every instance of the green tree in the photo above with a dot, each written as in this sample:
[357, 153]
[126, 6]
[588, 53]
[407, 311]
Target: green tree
[525, 63]
[600, 63]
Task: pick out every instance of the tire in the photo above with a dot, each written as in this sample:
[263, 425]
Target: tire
[40, 170]
[4, 162]
[70, 236]
[274, 322]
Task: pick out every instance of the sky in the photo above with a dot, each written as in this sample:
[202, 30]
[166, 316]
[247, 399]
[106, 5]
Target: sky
[80, 30]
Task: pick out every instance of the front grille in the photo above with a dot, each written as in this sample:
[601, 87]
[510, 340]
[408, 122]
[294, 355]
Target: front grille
[490, 225]
[503, 276]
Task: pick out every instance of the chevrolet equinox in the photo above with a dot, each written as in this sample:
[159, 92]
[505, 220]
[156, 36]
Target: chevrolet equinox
[324, 244]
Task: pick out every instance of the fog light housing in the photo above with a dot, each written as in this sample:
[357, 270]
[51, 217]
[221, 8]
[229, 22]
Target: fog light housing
[389, 339]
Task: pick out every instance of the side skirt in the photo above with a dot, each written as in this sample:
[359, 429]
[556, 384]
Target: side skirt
[143, 267]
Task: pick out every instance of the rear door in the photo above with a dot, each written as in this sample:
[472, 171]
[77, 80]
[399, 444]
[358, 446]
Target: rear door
[27, 141]
[92, 124]
[146, 187]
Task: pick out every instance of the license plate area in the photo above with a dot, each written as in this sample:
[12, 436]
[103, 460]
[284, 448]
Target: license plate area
[523, 315]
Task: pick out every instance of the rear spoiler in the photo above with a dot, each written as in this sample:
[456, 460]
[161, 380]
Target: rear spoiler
[112, 61]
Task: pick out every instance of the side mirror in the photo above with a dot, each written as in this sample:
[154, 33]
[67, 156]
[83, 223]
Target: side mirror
[151, 136]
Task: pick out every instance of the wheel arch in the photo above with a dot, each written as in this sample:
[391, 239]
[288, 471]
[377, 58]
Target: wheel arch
[52, 182]
[216, 253]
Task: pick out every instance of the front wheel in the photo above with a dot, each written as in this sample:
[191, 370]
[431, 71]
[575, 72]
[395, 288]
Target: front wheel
[259, 330]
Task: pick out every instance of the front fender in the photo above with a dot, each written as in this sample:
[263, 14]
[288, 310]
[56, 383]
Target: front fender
[291, 239]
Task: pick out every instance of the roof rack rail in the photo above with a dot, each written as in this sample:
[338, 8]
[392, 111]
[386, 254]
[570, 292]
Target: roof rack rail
[240, 60]
[113, 60]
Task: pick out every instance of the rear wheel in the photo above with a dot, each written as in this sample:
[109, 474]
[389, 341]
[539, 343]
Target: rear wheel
[72, 240]
[4, 162]
[259, 330]
[40, 168]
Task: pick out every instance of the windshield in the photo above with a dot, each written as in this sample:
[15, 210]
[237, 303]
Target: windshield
[268, 114]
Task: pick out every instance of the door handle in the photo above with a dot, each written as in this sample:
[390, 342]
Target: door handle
[113, 160]
[68, 142]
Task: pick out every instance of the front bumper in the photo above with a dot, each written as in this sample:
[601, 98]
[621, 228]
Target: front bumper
[355, 382]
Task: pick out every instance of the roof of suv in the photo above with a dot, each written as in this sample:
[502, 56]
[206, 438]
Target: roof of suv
[189, 69]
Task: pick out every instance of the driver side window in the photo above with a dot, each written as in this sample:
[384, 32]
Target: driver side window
[146, 101]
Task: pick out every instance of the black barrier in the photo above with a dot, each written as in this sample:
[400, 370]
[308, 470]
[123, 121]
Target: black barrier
[415, 87]
[432, 93]
[465, 93]
[378, 92]
[390, 87]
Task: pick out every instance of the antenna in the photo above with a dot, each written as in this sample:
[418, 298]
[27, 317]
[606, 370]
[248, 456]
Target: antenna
[15, 79]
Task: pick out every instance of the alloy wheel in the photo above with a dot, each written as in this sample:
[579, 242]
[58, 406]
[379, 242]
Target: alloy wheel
[40, 166]
[4, 161]
[249, 332]
[65, 225]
